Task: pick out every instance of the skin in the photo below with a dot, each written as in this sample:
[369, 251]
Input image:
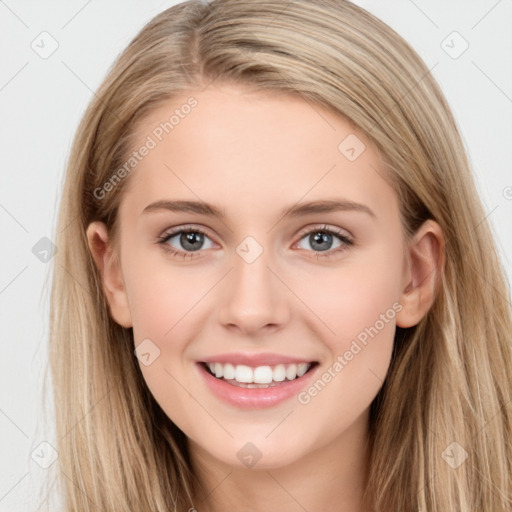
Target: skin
[253, 154]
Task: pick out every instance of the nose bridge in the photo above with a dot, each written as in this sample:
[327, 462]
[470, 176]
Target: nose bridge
[252, 296]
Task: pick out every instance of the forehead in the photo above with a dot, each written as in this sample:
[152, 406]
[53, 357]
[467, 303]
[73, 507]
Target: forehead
[253, 150]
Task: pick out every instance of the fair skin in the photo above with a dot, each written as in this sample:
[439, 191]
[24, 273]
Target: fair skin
[252, 155]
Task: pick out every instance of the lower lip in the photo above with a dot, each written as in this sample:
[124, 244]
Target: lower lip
[255, 398]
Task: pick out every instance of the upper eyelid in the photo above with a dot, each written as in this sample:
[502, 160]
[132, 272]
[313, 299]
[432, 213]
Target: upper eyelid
[172, 232]
[325, 227]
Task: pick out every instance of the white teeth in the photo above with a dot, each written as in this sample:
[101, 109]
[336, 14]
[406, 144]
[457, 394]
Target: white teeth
[262, 375]
[302, 368]
[259, 375]
[218, 370]
[229, 371]
[243, 373]
[279, 373]
[291, 372]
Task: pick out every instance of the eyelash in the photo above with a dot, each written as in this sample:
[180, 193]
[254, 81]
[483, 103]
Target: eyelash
[346, 241]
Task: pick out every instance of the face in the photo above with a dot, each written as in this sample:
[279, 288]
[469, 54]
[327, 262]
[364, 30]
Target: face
[259, 236]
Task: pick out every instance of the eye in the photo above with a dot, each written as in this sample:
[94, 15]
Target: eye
[188, 239]
[327, 240]
[322, 240]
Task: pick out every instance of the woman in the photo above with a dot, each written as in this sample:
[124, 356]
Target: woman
[208, 351]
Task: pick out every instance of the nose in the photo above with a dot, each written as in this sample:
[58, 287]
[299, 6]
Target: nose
[253, 298]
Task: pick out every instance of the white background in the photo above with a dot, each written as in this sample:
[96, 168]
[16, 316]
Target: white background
[42, 100]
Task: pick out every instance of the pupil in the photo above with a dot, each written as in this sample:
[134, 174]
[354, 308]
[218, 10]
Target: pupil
[319, 238]
[191, 241]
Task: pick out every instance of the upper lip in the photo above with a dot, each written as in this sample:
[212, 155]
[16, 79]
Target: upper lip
[254, 360]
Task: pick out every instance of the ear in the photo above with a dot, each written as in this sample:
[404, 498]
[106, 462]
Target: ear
[422, 273]
[108, 264]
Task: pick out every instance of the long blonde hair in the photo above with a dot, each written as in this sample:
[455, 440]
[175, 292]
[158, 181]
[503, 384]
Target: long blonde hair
[448, 392]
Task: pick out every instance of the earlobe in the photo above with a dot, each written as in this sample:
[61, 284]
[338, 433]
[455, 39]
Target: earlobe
[424, 267]
[107, 262]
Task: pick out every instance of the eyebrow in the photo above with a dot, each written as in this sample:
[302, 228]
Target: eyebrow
[297, 210]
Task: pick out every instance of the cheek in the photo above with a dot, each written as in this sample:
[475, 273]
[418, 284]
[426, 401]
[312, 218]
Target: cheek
[360, 294]
[163, 304]
[166, 304]
[162, 298]
[357, 305]
[360, 310]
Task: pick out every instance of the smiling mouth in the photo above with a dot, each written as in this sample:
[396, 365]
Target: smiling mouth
[260, 376]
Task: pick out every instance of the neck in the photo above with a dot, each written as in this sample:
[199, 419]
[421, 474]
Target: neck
[331, 477]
